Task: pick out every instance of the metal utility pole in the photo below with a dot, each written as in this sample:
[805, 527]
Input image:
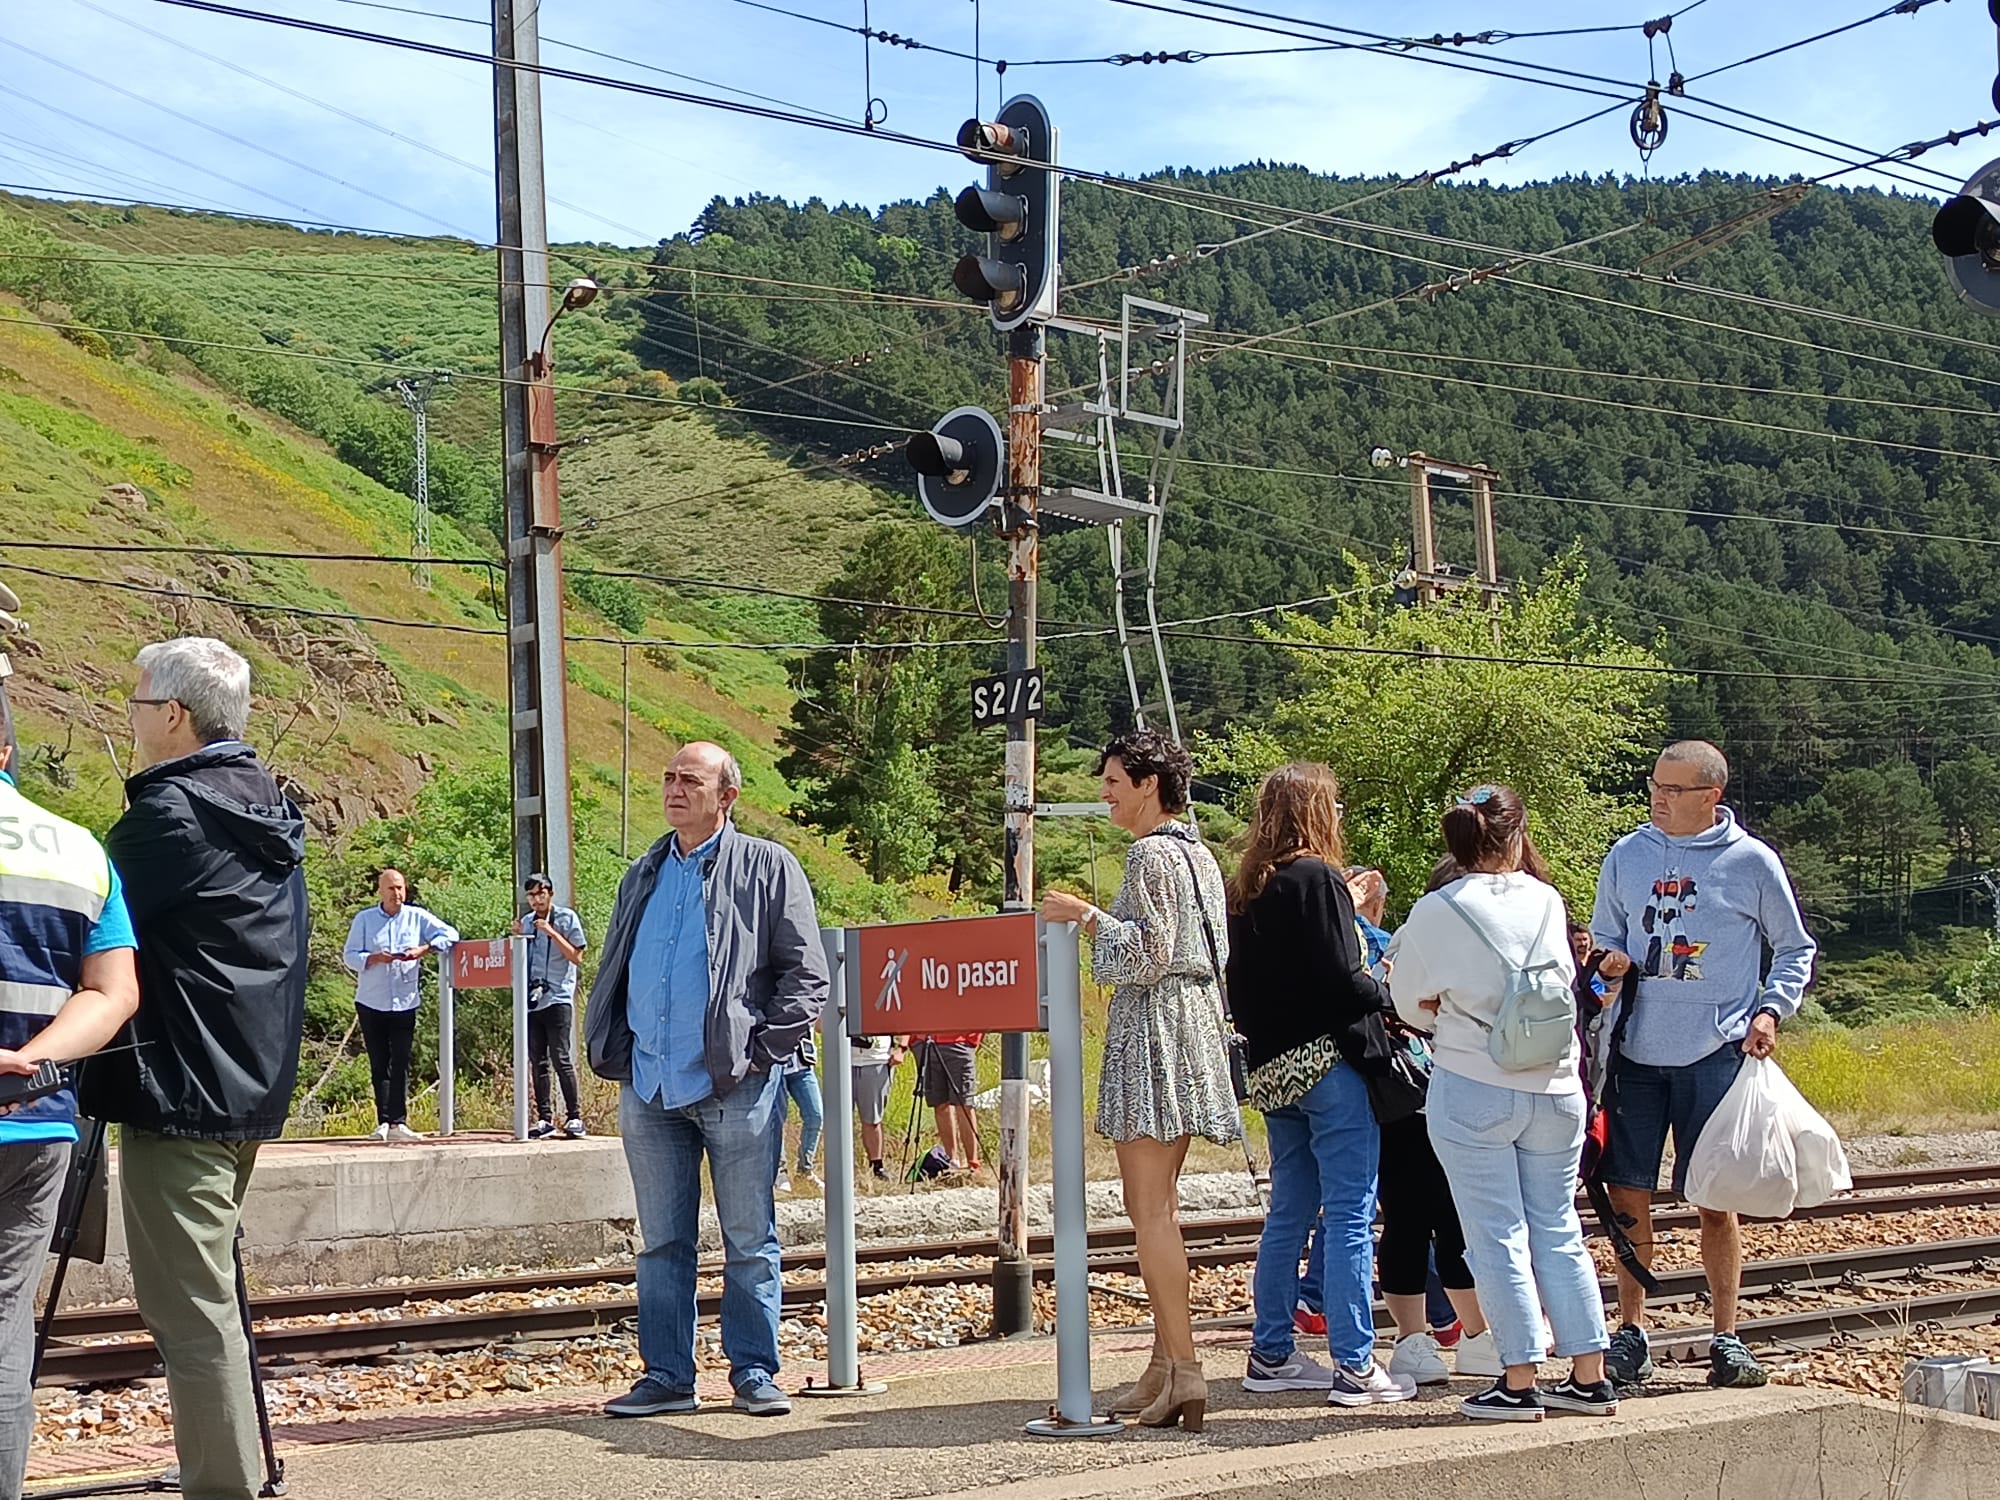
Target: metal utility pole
[416, 394]
[1013, 1273]
[538, 737]
[1431, 581]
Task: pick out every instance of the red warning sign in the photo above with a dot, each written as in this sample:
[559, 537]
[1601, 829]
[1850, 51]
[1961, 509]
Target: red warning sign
[959, 975]
[481, 964]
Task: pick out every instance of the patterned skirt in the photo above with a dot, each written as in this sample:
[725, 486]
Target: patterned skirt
[1166, 1065]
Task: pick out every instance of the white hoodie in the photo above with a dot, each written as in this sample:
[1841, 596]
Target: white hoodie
[1435, 955]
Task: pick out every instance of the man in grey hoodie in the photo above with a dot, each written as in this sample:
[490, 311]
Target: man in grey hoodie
[1693, 901]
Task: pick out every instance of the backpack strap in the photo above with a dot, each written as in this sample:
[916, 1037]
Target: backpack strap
[1506, 963]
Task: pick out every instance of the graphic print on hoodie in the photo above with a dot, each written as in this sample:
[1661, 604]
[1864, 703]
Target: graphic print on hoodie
[1696, 915]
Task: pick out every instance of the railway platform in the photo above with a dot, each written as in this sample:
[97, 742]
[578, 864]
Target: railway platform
[950, 1424]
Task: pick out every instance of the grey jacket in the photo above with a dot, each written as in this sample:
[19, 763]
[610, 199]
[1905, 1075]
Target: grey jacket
[767, 974]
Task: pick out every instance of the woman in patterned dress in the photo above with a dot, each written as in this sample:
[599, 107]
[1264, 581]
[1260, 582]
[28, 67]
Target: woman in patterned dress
[1165, 1074]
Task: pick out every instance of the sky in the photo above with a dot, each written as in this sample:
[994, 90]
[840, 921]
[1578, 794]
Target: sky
[143, 99]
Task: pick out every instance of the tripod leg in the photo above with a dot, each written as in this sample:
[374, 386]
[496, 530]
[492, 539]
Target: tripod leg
[274, 1467]
[64, 1243]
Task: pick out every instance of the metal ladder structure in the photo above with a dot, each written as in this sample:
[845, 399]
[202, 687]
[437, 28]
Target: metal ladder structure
[1143, 328]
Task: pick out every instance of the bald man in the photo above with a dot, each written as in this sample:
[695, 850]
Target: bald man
[386, 946]
[712, 974]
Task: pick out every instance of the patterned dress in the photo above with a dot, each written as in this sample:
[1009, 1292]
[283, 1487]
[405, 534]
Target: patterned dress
[1166, 1064]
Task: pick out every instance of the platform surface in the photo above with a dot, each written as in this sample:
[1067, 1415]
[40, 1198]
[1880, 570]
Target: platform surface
[951, 1425]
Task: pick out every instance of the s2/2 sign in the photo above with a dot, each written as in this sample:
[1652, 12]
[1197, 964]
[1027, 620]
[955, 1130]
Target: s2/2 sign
[1010, 698]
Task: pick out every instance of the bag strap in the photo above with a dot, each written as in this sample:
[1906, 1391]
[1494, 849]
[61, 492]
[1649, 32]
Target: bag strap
[1548, 915]
[1207, 930]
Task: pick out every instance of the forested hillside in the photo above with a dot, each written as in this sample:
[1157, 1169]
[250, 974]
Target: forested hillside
[1806, 519]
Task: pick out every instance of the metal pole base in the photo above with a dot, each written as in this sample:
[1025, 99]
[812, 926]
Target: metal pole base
[1055, 1426]
[859, 1388]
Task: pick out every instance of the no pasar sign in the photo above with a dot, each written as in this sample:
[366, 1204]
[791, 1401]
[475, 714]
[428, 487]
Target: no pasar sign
[965, 974]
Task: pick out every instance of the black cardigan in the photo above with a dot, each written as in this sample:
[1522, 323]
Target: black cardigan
[1296, 969]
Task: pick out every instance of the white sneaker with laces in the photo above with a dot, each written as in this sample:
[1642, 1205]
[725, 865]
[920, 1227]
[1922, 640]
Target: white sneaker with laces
[1478, 1356]
[782, 1183]
[1301, 1372]
[379, 1133]
[1366, 1387]
[1417, 1357]
[401, 1132]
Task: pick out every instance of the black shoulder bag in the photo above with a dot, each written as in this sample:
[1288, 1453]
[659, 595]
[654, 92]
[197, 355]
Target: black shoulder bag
[1239, 1071]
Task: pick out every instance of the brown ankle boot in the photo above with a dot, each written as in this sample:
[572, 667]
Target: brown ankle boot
[1131, 1403]
[1184, 1400]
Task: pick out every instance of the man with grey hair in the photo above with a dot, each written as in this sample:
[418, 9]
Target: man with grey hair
[712, 974]
[211, 854]
[1692, 902]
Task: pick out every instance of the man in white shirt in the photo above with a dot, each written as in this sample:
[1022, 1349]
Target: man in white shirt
[386, 947]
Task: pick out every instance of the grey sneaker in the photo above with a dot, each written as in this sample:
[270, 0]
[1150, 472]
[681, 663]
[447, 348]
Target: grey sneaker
[575, 1130]
[1296, 1372]
[1363, 1387]
[1629, 1360]
[761, 1398]
[1732, 1365]
[650, 1398]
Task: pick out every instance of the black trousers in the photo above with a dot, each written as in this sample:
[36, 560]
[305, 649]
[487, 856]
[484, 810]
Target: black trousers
[1416, 1208]
[388, 1035]
[548, 1041]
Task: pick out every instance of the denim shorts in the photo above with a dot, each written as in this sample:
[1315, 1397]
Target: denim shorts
[1646, 1102]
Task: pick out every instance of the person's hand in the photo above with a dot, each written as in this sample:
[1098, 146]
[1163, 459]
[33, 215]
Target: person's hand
[1061, 906]
[544, 926]
[379, 958]
[897, 1052]
[1614, 964]
[13, 1062]
[414, 954]
[1431, 1006]
[1386, 967]
[1763, 1038]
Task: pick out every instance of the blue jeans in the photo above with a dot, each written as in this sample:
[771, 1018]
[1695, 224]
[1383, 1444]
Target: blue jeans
[1511, 1158]
[741, 1134]
[802, 1084]
[1323, 1155]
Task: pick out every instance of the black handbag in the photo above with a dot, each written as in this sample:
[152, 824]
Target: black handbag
[1399, 1085]
[1239, 1070]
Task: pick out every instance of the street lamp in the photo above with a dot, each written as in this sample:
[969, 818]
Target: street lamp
[579, 293]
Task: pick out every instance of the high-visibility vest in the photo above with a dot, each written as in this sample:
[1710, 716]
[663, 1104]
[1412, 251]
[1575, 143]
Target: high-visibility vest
[54, 882]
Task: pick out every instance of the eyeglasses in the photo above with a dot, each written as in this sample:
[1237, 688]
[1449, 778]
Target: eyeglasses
[152, 702]
[1668, 789]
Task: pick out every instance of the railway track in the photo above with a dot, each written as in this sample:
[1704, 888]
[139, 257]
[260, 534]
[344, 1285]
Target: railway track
[109, 1345]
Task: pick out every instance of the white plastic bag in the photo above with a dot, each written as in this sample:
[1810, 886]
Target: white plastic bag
[1765, 1150]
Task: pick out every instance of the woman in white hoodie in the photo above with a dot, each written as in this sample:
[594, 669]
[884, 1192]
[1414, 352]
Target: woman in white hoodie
[1509, 1136]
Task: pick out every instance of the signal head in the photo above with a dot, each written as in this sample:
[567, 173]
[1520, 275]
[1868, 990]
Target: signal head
[959, 464]
[990, 212]
[991, 143]
[999, 283]
[1967, 229]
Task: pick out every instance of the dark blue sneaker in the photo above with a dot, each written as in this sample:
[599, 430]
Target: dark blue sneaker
[762, 1398]
[1732, 1366]
[650, 1398]
[1573, 1396]
[1629, 1360]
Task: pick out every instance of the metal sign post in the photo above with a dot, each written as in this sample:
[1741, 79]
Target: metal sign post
[519, 945]
[1062, 995]
[447, 1050]
[843, 1336]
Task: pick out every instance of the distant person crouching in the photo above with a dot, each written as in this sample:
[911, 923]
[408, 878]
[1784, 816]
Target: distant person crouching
[211, 854]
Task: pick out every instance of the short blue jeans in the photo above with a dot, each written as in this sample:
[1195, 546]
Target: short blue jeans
[1646, 1102]
[1511, 1158]
[741, 1134]
[1323, 1155]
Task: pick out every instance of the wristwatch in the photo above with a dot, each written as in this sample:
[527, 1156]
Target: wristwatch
[1771, 1011]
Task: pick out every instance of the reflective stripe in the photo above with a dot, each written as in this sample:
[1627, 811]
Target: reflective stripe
[36, 843]
[63, 895]
[31, 999]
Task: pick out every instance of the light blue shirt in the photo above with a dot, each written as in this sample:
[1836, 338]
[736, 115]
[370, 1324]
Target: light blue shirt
[668, 984]
[391, 986]
[547, 966]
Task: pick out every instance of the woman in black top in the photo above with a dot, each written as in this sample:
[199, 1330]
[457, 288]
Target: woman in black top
[1303, 999]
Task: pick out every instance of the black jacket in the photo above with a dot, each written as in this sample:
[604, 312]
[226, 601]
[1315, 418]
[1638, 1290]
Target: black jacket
[212, 856]
[1296, 969]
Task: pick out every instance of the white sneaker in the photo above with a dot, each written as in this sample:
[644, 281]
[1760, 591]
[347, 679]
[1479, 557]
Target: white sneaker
[1299, 1373]
[782, 1183]
[379, 1133]
[1366, 1387]
[1477, 1356]
[1417, 1357]
[403, 1133]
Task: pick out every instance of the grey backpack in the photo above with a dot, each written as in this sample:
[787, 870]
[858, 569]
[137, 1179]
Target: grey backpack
[1537, 1016]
